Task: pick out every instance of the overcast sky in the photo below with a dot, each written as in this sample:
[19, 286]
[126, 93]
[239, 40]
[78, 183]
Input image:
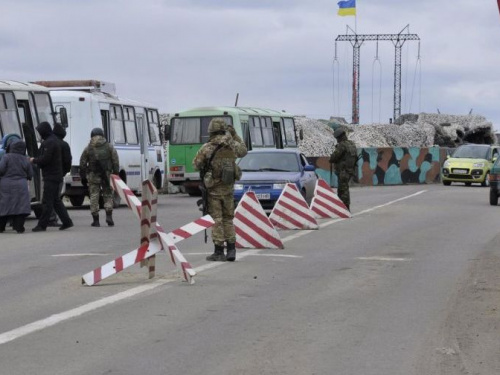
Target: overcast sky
[279, 54]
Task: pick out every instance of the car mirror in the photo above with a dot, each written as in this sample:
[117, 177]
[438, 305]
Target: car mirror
[309, 168]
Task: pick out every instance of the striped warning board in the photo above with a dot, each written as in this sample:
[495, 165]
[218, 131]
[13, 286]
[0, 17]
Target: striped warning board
[327, 204]
[291, 211]
[253, 228]
[144, 252]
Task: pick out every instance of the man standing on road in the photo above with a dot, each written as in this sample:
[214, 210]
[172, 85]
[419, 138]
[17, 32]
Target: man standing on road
[50, 161]
[98, 161]
[344, 159]
[216, 161]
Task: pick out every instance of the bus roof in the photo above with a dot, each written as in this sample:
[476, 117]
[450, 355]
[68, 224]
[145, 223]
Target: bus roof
[62, 94]
[20, 86]
[211, 111]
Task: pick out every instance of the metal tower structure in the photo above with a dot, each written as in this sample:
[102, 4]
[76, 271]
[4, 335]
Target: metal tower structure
[356, 41]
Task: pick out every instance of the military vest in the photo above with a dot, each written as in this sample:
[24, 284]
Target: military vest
[100, 158]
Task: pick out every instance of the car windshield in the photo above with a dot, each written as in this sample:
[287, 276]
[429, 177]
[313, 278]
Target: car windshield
[269, 162]
[471, 152]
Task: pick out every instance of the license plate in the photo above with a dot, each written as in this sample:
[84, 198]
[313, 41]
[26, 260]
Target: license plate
[263, 195]
[460, 171]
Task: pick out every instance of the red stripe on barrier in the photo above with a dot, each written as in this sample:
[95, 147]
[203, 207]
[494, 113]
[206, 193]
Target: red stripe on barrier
[141, 253]
[185, 266]
[181, 233]
[146, 204]
[330, 198]
[253, 211]
[335, 211]
[300, 202]
[119, 264]
[145, 222]
[257, 230]
[299, 213]
[204, 223]
[286, 217]
[97, 275]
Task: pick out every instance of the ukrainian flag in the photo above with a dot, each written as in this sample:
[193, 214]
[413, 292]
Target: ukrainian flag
[347, 8]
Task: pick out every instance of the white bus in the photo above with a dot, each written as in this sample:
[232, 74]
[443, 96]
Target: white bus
[23, 106]
[132, 127]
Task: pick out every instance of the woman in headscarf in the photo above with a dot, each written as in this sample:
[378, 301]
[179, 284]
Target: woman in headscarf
[15, 171]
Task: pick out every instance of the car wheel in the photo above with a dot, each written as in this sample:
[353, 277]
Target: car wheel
[446, 183]
[468, 183]
[486, 181]
[493, 197]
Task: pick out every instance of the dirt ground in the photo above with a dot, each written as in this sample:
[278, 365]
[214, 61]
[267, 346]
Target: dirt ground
[468, 340]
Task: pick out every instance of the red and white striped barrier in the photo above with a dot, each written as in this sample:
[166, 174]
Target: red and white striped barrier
[253, 228]
[291, 211]
[143, 253]
[150, 229]
[327, 204]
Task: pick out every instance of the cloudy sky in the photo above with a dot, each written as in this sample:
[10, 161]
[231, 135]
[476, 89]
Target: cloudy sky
[279, 54]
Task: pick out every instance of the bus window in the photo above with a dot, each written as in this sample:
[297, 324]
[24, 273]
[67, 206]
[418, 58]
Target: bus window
[43, 107]
[9, 122]
[117, 124]
[153, 127]
[255, 132]
[130, 126]
[288, 133]
[185, 130]
[105, 123]
[267, 131]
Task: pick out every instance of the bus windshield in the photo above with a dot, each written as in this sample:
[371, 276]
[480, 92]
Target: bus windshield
[9, 122]
[43, 107]
[192, 130]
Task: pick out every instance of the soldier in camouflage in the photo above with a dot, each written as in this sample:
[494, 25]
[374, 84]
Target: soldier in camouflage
[344, 159]
[98, 161]
[222, 148]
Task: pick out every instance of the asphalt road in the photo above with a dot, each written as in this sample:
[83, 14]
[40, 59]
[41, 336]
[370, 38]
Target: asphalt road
[391, 291]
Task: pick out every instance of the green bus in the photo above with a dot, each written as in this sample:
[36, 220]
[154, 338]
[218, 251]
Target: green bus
[188, 132]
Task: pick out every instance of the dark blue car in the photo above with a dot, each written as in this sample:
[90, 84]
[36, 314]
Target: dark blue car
[267, 171]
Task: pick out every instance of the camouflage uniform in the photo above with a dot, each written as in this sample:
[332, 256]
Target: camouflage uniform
[344, 158]
[220, 194]
[97, 182]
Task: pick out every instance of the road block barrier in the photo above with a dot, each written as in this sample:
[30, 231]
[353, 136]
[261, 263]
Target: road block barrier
[253, 228]
[327, 204]
[291, 211]
[150, 230]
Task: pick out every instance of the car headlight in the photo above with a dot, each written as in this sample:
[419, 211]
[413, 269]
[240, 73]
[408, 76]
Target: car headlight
[238, 186]
[446, 164]
[280, 185]
[478, 165]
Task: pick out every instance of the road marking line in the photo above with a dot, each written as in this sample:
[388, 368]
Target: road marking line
[79, 255]
[78, 311]
[389, 259]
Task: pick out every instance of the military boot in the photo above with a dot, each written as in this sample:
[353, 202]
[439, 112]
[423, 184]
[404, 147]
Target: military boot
[231, 252]
[109, 218]
[95, 223]
[218, 255]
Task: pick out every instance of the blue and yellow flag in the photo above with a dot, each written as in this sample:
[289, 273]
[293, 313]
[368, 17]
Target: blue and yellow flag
[347, 8]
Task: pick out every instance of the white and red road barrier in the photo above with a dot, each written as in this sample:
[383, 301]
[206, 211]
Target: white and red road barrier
[253, 228]
[150, 230]
[327, 204]
[291, 211]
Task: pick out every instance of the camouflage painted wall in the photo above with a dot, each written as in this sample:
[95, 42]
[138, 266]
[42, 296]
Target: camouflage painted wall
[390, 166]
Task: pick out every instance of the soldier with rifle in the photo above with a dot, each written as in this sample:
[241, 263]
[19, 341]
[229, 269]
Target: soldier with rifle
[216, 161]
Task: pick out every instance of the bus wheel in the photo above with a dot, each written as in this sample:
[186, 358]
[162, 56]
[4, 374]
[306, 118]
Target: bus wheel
[193, 191]
[77, 200]
[157, 181]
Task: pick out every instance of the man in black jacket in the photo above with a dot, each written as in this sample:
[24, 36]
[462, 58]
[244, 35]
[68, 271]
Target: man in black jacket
[50, 161]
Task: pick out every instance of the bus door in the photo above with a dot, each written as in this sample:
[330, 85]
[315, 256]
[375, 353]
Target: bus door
[277, 134]
[143, 142]
[31, 138]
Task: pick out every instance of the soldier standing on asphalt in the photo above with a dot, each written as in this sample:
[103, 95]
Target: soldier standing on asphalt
[344, 159]
[216, 160]
[98, 161]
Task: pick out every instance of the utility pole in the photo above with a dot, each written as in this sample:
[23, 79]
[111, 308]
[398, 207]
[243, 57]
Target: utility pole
[356, 41]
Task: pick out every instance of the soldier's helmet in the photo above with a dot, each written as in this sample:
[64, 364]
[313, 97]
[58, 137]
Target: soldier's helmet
[217, 125]
[338, 132]
[96, 131]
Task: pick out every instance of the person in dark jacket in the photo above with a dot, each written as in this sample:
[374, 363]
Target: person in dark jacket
[66, 159]
[50, 161]
[15, 171]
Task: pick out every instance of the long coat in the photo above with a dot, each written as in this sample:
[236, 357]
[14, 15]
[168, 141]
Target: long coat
[15, 170]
